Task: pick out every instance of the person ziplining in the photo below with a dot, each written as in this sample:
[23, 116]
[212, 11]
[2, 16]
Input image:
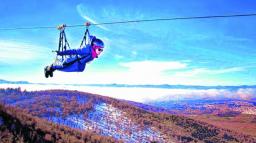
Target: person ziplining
[74, 60]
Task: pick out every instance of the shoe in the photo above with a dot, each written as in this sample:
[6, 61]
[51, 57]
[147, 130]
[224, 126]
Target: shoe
[51, 73]
[51, 70]
[46, 73]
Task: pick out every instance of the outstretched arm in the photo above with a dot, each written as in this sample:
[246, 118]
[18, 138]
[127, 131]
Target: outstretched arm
[80, 51]
[68, 52]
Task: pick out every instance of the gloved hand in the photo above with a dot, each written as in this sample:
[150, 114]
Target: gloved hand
[57, 52]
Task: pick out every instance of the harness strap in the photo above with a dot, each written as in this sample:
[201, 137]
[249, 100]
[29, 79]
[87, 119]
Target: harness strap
[63, 42]
[77, 59]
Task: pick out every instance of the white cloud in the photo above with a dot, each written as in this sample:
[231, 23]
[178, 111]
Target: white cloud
[153, 66]
[145, 72]
[179, 94]
[13, 52]
[226, 70]
[246, 93]
[118, 57]
[138, 72]
[109, 13]
[205, 71]
[83, 13]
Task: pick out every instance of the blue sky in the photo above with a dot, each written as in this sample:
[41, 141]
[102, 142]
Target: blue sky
[190, 52]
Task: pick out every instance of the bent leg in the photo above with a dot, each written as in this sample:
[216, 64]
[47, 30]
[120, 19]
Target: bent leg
[70, 65]
[57, 67]
[48, 70]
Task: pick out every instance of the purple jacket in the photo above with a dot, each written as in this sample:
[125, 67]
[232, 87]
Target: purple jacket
[77, 62]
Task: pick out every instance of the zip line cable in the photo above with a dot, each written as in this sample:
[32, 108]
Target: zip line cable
[178, 18]
[135, 21]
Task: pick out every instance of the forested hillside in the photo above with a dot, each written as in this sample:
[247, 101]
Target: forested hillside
[67, 116]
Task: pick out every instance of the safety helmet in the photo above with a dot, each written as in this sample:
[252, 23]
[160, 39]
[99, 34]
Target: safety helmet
[97, 42]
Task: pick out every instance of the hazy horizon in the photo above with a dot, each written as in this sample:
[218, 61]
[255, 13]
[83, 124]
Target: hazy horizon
[144, 95]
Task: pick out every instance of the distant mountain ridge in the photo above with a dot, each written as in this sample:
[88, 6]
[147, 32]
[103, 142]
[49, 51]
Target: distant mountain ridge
[172, 86]
[166, 86]
[13, 82]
